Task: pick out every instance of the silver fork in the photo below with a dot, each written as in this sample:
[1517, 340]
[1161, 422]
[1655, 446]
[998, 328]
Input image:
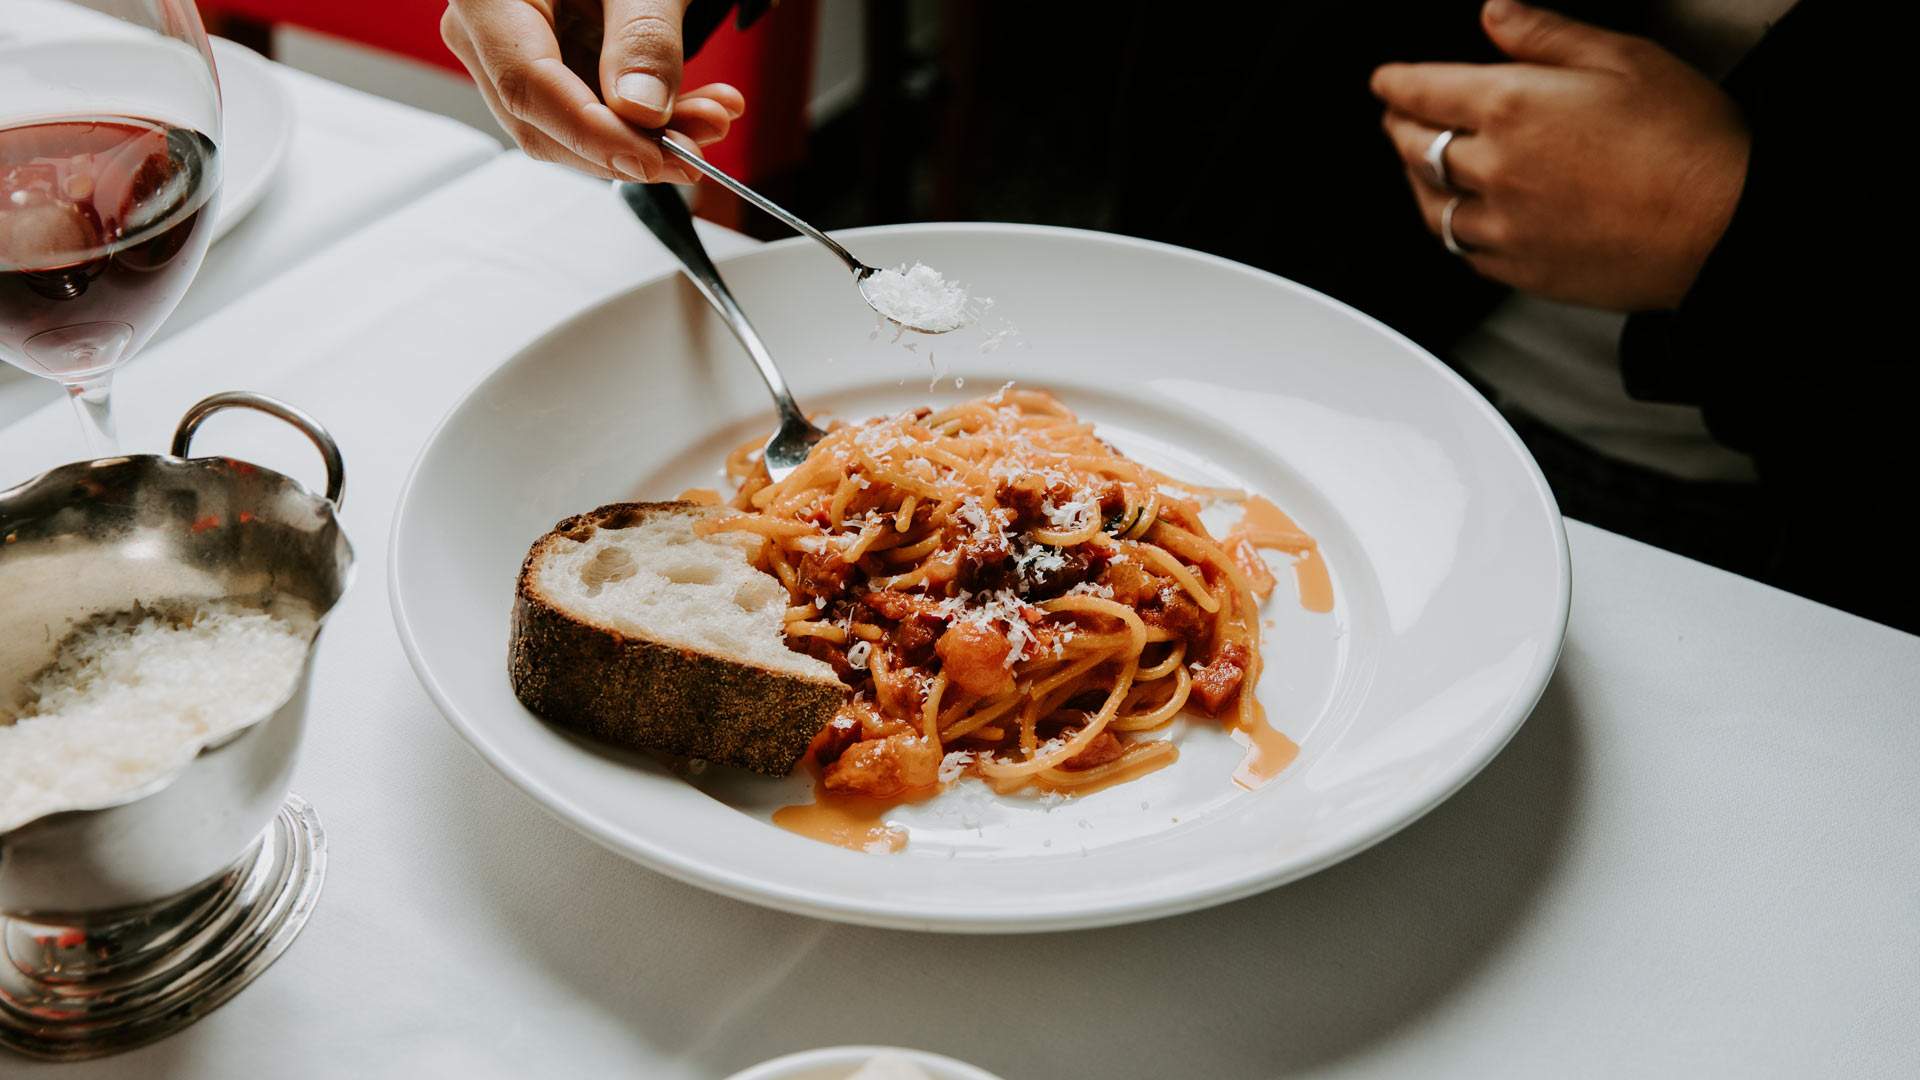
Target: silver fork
[661, 210]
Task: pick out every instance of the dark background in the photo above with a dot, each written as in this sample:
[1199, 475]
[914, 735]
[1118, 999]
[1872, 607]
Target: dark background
[1246, 130]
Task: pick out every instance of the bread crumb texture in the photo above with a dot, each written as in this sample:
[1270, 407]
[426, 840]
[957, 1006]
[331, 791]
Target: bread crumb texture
[658, 580]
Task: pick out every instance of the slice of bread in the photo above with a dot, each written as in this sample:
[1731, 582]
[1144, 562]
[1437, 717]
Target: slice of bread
[631, 628]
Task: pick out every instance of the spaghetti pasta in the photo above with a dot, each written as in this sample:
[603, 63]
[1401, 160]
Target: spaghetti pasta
[1005, 592]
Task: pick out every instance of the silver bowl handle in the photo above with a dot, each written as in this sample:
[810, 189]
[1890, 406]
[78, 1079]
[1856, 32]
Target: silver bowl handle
[247, 399]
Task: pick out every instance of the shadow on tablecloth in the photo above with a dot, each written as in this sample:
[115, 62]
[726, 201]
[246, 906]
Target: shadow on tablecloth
[1293, 980]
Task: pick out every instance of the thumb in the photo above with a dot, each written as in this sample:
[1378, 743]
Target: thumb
[1540, 36]
[640, 59]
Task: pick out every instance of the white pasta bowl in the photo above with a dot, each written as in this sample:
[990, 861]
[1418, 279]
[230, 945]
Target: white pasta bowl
[1448, 559]
[840, 1062]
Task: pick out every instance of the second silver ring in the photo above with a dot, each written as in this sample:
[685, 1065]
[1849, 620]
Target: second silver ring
[1454, 246]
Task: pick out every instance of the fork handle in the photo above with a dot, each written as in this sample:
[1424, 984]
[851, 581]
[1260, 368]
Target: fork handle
[663, 212]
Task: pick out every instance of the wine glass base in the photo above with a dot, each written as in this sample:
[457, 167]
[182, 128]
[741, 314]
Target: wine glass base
[71, 991]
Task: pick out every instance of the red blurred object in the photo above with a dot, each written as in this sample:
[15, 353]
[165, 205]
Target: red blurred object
[771, 63]
[408, 27]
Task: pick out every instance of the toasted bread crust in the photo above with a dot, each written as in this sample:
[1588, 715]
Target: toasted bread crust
[647, 695]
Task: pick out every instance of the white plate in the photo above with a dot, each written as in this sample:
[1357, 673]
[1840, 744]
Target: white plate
[1448, 556]
[257, 121]
[840, 1062]
[257, 118]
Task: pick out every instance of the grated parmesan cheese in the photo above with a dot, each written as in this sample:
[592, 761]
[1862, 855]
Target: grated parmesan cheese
[1033, 562]
[954, 764]
[984, 524]
[997, 338]
[1073, 514]
[1001, 606]
[858, 654]
[131, 698]
[919, 298]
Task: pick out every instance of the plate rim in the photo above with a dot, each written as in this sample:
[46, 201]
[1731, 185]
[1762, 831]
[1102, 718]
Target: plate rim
[716, 877]
[234, 211]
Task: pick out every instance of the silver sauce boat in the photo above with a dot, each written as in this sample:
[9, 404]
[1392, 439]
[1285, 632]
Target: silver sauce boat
[122, 923]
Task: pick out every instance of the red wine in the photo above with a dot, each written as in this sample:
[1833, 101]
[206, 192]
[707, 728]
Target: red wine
[103, 222]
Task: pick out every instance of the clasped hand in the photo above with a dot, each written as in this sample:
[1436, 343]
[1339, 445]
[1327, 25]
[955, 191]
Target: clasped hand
[1597, 168]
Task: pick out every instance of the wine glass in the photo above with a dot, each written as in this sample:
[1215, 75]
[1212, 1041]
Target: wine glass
[109, 179]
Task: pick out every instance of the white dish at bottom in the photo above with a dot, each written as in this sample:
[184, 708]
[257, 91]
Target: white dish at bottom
[840, 1062]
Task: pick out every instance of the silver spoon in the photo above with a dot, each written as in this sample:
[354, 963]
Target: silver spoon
[862, 273]
[661, 210]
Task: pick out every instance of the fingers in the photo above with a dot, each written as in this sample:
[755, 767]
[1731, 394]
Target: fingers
[1474, 226]
[688, 143]
[1465, 156]
[1478, 229]
[1441, 95]
[703, 120]
[538, 146]
[1547, 37]
[510, 48]
[729, 98]
[530, 139]
[640, 71]
[640, 59]
[514, 53]
[708, 113]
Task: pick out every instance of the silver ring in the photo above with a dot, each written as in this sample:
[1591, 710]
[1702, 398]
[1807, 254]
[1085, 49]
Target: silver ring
[1436, 160]
[1454, 246]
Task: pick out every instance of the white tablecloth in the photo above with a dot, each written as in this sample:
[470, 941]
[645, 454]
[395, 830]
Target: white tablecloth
[353, 158]
[1701, 856]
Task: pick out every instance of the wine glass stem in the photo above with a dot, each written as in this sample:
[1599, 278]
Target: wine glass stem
[93, 403]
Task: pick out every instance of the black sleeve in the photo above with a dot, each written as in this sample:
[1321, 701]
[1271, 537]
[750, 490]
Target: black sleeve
[580, 27]
[705, 16]
[1287, 168]
[1787, 340]
[1784, 333]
